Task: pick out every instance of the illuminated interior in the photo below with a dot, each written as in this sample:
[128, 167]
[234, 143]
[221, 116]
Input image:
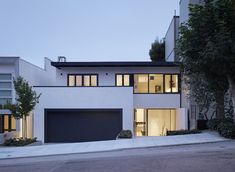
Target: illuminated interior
[141, 83]
[154, 122]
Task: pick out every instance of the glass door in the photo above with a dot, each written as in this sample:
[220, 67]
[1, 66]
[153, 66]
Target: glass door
[140, 122]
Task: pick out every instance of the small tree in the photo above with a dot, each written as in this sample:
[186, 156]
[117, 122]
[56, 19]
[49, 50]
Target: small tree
[25, 102]
[157, 51]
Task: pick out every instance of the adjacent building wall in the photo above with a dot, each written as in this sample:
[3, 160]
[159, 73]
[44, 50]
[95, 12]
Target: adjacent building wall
[36, 75]
[171, 39]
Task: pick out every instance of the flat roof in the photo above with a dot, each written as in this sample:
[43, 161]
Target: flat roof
[115, 64]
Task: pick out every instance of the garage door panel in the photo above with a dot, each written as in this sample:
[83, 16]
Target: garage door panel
[82, 125]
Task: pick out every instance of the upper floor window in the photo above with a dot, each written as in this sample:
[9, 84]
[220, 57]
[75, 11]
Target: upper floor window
[156, 83]
[150, 83]
[123, 80]
[79, 80]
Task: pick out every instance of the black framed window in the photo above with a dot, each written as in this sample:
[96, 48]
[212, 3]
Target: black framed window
[124, 80]
[82, 80]
[8, 123]
[150, 83]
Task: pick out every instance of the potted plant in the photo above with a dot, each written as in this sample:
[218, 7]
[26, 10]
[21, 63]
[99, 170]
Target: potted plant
[202, 122]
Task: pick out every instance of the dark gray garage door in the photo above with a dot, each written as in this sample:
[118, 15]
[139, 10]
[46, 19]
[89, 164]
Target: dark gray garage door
[82, 125]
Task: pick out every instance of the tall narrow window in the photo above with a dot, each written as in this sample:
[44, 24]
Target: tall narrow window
[93, 80]
[71, 80]
[126, 80]
[168, 83]
[119, 80]
[78, 80]
[86, 80]
[175, 84]
[155, 83]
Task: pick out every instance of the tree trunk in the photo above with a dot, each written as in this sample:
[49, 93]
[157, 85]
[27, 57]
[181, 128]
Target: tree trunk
[24, 127]
[232, 93]
[219, 98]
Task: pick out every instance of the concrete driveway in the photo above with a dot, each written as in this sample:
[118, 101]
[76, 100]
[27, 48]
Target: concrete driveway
[86, 147]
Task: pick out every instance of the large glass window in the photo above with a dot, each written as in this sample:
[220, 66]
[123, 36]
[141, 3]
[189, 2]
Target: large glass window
[154, 122]
[155, 83]
[172, 83]
[123, 80]
[150, 83]
[160, 121]
[86, 80]
[141, 83]
[167, 83]
[9, 123]
[175, 83]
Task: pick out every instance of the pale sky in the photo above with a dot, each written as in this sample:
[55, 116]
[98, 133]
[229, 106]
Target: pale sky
[83, 30]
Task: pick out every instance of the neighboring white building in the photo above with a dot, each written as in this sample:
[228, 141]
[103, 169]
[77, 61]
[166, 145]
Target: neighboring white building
[171, 37]
[87, 101]
[10, 68]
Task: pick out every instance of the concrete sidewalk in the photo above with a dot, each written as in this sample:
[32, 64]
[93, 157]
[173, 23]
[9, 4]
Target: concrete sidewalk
[141, 142]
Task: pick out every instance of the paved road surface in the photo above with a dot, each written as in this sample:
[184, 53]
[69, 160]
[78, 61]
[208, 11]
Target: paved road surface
[214, 157]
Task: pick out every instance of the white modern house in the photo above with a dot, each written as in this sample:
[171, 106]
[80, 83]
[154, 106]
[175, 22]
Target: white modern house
[87, 101]
[90, 101]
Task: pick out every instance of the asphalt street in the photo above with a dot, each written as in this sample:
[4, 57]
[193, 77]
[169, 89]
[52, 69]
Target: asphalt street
[212, 157]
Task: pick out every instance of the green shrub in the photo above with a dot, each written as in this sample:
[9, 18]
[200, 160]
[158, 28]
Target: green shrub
[182, 132]
[213, 124]
[125, 134]
[227, 129]
[19, 141]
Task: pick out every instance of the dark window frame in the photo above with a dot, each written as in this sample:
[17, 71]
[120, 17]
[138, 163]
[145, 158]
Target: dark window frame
[82, 75]
[9, 124]
[123, 74]
[132, 84]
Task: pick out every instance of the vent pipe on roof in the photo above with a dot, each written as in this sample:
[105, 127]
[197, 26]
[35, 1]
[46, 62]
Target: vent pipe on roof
[61, 59]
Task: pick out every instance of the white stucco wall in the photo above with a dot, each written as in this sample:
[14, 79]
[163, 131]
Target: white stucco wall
[181, 119]
[170, 39]
[84, 98]
[36, 75]
[184, 10]
[156, 100]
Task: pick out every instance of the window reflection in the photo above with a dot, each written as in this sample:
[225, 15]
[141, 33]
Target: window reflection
[141, 83]
[155, 83]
